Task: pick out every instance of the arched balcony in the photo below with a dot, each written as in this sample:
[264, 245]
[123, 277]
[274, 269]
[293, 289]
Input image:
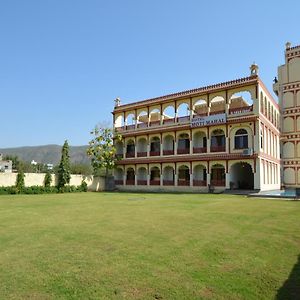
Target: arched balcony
[119, 149]
[142, 176]
[130, 149]
[199, 176]
[183, 113]
[217, 175]
[199, 142]
[183, 146]
[130, 121]
[155, 176]
[200, 108]
[168, 175]
[130, 176]
[183, 176]
[142, 119]
[154, 117]
[241, 102]
[217, 105]
[169, 115]
[218, 141]
[168, 145]
[155, 146]
[141, 147]
[118, 176]
[241, 176]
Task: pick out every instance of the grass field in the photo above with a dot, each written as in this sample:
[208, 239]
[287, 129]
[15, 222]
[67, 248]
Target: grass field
[148, 246]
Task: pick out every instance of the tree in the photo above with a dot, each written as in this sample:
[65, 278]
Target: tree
[64, 174]
[47, 179]
[101, 149]
[20, 181]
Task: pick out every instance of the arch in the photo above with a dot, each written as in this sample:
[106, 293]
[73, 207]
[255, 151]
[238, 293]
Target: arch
[199, 175]
[130, 176]
[118, 176]
[183, 175]
[168, 175]
[241, 139]
[119, 121]
[169, 114]
[266, 106]
[154, 116]
[240, 102]
[294, 67]
[155, 176]
[130, 148]
[142, 119]
[183, 110]
[298, 98]
[298, 123]
[241, 176]
[289, 176]
[200, 107]
[119, 148]
[288, 124]
[155, 146]
[288, 150]
[142, 176]
[141, 147]
[217, 175]
[183, 144]
[130, 119]
[199, 142]
[168, 145]
[217, 105]
[262, 105]
[218, 141]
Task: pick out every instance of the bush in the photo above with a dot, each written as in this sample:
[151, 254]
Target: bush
[20, 182]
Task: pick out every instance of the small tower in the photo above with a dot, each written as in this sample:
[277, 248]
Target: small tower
[254, 69]
[288, 46]
[117, 102]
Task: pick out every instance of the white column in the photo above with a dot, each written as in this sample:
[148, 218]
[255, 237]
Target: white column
[191, 179]
[208, 179]
[148, 179]
[208, 145]
[227, 144]
[191, 146]
[175, 179]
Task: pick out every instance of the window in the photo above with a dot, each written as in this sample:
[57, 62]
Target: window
[261, 139]
[241, 139]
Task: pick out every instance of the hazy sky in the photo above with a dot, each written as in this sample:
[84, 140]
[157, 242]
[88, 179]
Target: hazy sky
[63, 62]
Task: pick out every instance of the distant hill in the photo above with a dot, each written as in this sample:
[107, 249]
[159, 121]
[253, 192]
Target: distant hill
[48, 153]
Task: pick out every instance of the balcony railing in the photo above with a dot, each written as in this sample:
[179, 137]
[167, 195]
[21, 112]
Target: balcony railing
[118, 182]
[154, 123]
[217, 182]
[217, 112]
[142, 182]
[154, 153]
[130, 154]
[168, 152]
[142, 125]
[183, 182]
[119, 155]
[217, 148]
[154, 182]
[199, 182]
[199, 149]
[130, 127]
[141, 154]
[168, 182]
[183, 151]
[240, 110]
[169, 121]
[130, 182]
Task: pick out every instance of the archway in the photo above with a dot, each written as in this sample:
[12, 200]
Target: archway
[168, 175]
[184, 175]
[142, 176]
[130, 176]
[241, 176]
[155, 176]
[217, 175]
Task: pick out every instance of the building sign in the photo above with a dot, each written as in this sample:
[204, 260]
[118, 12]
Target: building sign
[208, 120]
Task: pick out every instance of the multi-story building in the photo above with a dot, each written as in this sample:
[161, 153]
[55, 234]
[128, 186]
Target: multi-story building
[5, 165]
[287, 88]
[224, 136]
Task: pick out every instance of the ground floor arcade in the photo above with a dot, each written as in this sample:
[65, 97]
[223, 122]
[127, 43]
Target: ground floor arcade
[249, 174]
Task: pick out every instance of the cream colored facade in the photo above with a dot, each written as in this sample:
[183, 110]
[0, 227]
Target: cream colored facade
[288, 90]
[224, 136]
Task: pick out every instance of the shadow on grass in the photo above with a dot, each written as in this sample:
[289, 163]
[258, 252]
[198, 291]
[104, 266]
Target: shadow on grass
[291, 287]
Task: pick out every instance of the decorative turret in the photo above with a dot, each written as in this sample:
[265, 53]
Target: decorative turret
[254, 69]
[288, 46]
[117, 102]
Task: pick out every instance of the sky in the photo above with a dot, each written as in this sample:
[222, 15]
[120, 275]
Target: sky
[63, 62]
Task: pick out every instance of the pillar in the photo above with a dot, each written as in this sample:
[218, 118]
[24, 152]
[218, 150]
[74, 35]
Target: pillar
[227, 180]
[191, 179]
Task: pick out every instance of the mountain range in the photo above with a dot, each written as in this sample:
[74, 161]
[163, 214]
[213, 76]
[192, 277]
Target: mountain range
[48, 154]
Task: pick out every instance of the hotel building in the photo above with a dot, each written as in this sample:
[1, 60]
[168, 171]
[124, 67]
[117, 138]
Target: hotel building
[224, 136]
[287, 88]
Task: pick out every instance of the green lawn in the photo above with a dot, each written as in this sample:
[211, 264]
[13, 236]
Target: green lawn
[148, 246]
